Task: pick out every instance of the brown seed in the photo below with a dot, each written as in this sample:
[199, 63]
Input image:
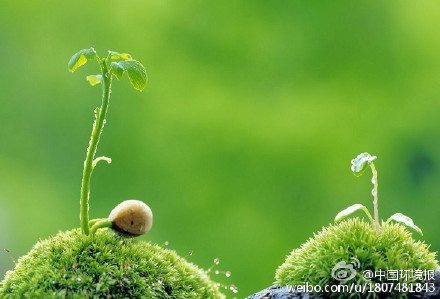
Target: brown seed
[131, 218]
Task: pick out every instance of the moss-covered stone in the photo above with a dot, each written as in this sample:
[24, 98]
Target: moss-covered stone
[391, 248]
[73, 265]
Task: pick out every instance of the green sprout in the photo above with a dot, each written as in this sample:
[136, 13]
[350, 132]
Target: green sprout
[115, 64]
[373, 246]
[91, 262]
[358, 166]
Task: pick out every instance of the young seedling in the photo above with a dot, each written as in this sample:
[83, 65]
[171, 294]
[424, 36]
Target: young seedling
[115, 64]
[94, 263]
[374, 247]
[358, 166]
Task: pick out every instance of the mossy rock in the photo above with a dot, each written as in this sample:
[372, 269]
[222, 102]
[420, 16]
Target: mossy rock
[391, 248]
[73, 265]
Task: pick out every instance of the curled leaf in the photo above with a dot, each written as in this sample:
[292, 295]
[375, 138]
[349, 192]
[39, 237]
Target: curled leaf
[135, 71]
[350, 210]
[94, 79]
[80, 58]
[361, 162]
[398, 217]
[103, 158]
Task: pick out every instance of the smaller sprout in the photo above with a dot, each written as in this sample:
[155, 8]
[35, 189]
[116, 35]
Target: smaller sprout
[131, 218]
[358, 166]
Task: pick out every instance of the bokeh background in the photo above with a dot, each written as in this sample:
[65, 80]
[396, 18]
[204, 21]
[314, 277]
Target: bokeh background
[242, 141]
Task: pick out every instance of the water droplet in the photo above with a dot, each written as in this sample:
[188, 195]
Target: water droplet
[228, 273]
[160, 280]
[217, 272]
[209, 270]
[233, 288]
[373, 180]
[166, 243]
[373, 192]
[78, 278]
[352, 161]
[104, 122]
[190, 253]
[107, 74]
[218, 284]
[216, 261]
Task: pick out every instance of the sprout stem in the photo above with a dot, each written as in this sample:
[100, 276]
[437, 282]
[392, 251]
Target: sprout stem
[375, 201]
[98, 125]
[100, 224]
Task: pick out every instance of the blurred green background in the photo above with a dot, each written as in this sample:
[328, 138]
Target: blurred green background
[242, 141]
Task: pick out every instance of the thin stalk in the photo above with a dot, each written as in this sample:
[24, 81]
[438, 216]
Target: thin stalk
[98, 125]
[375, 201]
[93, 221]
[100, 224]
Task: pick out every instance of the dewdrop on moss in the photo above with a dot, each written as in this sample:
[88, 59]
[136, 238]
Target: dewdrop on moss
[131, 218]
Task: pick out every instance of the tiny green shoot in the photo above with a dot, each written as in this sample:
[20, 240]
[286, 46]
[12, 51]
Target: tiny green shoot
[115, 64]
[358, 167]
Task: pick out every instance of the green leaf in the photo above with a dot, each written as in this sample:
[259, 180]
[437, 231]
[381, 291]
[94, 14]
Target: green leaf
[80, 58]
[398, 217]
[350, 210]
[361, 162]
[135, 71]
[126, 56]
[117, 69]
[94, 79]
[116, 55]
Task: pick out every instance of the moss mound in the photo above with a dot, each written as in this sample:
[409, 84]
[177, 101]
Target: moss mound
[392, 248]
[73, 265]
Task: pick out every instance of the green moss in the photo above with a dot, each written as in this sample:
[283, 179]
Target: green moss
[392, 248]
[73, 265]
